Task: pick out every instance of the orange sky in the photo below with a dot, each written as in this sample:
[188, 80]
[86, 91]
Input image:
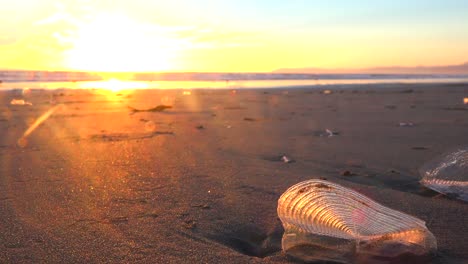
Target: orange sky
[238, 36]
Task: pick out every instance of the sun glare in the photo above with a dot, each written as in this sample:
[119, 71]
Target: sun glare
[115, 43]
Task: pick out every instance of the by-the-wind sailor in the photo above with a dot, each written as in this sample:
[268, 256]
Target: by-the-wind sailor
[448, 174]
[326, 221]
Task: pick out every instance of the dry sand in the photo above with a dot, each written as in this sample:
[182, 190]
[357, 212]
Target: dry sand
[199, 183]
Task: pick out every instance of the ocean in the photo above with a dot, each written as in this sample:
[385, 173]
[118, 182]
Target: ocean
[11, 80]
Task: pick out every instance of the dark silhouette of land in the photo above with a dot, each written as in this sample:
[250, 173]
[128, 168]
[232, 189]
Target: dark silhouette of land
[461, 69]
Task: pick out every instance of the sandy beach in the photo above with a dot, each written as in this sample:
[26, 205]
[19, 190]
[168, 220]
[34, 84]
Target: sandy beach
[199, 182]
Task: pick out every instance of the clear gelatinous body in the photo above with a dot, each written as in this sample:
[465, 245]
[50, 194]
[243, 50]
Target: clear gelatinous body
[326, 221]
[448, 174]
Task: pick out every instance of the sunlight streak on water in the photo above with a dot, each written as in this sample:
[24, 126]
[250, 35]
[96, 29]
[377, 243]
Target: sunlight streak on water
[118, 85]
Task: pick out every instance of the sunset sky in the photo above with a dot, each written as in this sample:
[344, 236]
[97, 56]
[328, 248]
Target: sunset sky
[234, 35]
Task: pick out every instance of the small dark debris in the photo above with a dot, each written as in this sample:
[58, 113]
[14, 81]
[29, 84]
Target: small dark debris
[323, 178]
[190, 224]
[249, 119]
[202, 206]
[407, 91]
[200, 127]
[348, 173]
[234, 108]
[158, 108]
[394, 171]
[456, 108]
[419, 148]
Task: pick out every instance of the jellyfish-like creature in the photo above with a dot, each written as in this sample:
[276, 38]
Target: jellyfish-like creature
[324, 221]
[448, 174]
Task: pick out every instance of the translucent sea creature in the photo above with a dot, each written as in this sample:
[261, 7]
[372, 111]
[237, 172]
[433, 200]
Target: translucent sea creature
[19, 102]
[448, 174]
[328, 222]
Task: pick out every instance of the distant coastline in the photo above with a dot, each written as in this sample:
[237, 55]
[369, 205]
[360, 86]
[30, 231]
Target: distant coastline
[461, 69]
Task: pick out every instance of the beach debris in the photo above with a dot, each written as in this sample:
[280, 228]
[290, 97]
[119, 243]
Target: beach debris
[324, 221]
[200, 127]
[465, 100]
[286, 159]
[326, 133]
[158, 108]
[150, 126]
[281, 158]
[327, 92]
[202, 206]
[239, 107]
[448, 174]
[331, 133]
[22, 142]
[348, 173]
[419, 148]
[190, 224]
[19, 102]
[148, 215]
[127, 136]
[249, 119]
[407, 91]
[406, 124]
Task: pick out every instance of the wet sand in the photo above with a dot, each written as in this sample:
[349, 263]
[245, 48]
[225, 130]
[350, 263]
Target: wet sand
[199, 182]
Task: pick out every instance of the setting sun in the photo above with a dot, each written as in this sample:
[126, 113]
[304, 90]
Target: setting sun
[114, 42]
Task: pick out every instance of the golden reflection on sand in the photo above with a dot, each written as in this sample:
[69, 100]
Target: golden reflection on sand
[22, 142]
[114, 85]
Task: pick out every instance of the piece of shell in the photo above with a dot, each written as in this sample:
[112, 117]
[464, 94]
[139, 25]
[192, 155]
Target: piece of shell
[448, 174]
[326, 221]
